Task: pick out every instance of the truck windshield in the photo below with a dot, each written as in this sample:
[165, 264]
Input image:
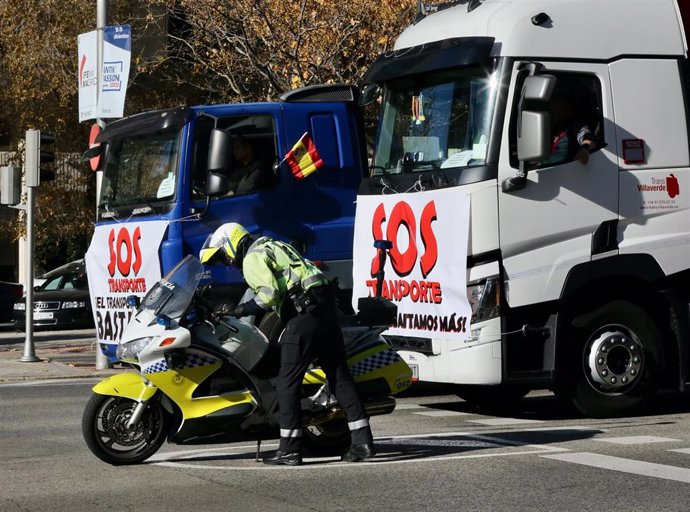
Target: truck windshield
[435, 121]
[140, 170]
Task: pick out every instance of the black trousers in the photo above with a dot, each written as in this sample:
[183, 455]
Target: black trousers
[307, 337]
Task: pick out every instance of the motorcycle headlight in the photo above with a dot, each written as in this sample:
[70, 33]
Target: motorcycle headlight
[73, 304]
[485, 297]
[129, 352]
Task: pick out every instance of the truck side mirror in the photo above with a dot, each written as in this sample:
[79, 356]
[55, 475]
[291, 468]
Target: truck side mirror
[534, 132]
[217, 184]
[538, 88]
[534, 121]
[370, 94]
[221, 158]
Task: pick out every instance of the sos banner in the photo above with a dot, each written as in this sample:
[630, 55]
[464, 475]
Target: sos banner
[426, 272]
[122, 260]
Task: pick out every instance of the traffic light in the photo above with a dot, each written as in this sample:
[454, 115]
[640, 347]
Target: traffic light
[10, 185]
[38, 153]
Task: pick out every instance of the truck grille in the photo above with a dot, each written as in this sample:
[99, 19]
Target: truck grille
[421, 345]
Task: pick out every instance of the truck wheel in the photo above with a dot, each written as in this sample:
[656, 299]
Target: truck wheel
[492, 398]
[613, 360]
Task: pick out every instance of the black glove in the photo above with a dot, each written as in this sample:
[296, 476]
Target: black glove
[247, 308]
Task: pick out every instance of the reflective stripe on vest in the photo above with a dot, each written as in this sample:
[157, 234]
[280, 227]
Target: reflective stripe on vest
[294, 269]
[269, 292]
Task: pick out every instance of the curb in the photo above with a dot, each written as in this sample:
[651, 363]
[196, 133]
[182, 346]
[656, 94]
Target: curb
[8, 380]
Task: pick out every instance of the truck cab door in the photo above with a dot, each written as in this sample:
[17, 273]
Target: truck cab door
[560, 218]
[323, 203]
[257, 197]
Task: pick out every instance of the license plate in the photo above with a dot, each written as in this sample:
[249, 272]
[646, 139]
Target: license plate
[43, 316]
[415, 371]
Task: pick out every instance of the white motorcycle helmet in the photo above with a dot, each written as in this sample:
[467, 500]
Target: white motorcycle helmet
[226, 245]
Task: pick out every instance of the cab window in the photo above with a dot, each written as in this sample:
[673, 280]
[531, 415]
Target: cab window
[576, 116]
[254, 150]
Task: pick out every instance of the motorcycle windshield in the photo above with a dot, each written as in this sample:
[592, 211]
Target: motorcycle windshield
[172, 294]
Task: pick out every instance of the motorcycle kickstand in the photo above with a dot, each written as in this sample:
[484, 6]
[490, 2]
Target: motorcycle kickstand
[258, 450]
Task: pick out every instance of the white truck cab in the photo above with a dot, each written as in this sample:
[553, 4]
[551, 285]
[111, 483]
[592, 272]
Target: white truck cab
[579, 278]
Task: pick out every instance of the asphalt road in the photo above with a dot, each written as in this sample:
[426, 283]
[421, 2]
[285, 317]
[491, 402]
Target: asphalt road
[436, 453]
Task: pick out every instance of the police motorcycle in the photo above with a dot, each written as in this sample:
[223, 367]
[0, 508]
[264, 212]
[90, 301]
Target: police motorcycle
[204, 378]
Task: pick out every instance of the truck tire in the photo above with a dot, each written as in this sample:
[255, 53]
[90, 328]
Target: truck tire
[612, 361]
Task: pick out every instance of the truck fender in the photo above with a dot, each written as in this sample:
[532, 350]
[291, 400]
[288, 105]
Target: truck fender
[126, 385]
[623, 266]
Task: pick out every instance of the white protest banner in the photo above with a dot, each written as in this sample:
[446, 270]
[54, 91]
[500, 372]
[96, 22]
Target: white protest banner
[117, 51]
[87, 79]
[426, 273]
[122, 260]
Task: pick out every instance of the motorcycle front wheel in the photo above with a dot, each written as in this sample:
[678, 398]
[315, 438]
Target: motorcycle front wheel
[104, 426]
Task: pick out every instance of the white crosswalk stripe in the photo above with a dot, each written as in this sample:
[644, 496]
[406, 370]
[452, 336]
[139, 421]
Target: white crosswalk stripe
[636, 440]
[635, 467]
[442, 413]
[503, 422]
[404, 407]
[685, 451]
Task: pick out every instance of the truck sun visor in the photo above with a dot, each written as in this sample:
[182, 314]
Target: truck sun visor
[449, 53]
[147, 122]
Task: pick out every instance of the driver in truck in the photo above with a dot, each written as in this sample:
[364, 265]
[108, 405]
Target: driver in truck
[252, 173]
[295, 288]
[572, 138]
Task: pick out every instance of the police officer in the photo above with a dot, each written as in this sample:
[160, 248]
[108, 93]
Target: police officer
[294, 287]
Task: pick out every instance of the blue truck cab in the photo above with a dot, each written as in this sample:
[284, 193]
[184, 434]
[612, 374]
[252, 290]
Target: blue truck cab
[156, 167]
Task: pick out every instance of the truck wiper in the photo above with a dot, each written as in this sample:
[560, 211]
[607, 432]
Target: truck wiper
[109, 212]
[148, 203]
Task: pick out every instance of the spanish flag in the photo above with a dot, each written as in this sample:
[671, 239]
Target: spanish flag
[303, 158]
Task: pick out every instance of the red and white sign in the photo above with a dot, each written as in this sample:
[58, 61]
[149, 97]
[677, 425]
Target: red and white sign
[426, 272]
[87, 80]
[122, 260]
[94, 162]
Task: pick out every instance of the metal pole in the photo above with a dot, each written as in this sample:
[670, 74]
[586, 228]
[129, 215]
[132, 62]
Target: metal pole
[101, 21]
[29, 351]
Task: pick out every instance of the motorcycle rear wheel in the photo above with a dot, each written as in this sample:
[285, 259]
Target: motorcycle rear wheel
[107, 436]
[326, 439]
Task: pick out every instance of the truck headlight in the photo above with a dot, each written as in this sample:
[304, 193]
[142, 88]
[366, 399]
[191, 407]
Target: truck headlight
[73, 304]
[485, 298]
[129, 352]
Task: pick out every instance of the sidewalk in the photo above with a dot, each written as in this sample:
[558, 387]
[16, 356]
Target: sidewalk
[63, 355]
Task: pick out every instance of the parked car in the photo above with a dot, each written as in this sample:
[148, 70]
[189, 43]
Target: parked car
[38, 281]
[9, 293]
[62, 301]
